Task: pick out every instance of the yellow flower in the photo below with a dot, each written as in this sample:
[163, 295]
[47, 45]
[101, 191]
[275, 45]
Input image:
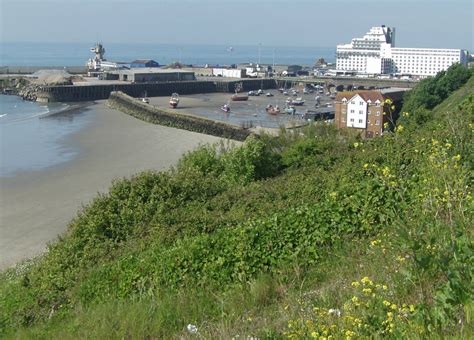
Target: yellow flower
[405, 114]
[386, 303]
[356, 145]
[385, 125]
[393, 107]
[448, 145]
[366, 166]
[457, 157]
[400, 128]
[314, 334]
[388, 101]
[355, 284]
[367, 291]
[412, 308]
[393, 306]
[384, 287]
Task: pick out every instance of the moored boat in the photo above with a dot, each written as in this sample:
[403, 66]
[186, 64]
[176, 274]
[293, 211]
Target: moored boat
[273, 110]
[225, 108]
[295, 102]
[239, 98]
[174, 100]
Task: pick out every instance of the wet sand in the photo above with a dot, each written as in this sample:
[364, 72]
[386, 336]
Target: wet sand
[36, 206]
[245, 113]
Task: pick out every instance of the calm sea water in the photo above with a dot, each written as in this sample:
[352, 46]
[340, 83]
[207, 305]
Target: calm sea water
[30, 142]
[76, 54]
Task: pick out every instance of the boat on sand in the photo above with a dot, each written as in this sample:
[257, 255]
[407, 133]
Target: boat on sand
[174, 100]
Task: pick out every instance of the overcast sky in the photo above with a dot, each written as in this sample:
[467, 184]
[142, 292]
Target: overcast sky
[322, 23]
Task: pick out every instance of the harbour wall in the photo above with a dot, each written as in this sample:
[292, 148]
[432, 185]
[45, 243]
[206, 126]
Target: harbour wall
[75, 93]
[167, 117]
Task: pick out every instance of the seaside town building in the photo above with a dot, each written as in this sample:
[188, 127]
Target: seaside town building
[363, 111]
[375, 54]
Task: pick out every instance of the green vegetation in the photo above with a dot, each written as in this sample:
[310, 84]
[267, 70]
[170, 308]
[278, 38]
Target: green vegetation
[312, 234]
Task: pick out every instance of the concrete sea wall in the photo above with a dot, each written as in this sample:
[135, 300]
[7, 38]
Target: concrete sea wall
[74, 93]
[155, 115]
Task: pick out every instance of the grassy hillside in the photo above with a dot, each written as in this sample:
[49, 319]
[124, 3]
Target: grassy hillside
[305, 235]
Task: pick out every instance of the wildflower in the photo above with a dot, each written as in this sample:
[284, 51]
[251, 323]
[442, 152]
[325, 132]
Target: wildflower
[405, 114]
[386, 171]
[448, 145]
[400, 258]
[366, 166]
[192, 328]
[385, 125]
[355, 284]
[314, 334]
[412, 308]
[386, 303]
[393, 306]
[457, 157]
[365, 280]
[400, 128]
[356, 145]
[392, 107]
[388, 101]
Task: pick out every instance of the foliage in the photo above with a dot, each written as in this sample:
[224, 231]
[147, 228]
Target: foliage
[234, 233]
[432, 91]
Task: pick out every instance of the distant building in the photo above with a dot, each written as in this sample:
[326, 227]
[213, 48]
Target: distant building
[144, 63]
[363, 111]
[229, 72]
[375, 53]
[141, 75]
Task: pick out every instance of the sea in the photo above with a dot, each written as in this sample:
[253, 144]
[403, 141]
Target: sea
[76, 54]
[33, 138]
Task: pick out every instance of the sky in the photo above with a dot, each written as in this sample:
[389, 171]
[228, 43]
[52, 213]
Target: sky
[321, 23]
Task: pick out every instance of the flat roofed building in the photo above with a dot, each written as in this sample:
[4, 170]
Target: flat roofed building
[375, 53]
[141, 75]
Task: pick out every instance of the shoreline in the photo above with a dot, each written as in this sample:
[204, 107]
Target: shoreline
[37, 206]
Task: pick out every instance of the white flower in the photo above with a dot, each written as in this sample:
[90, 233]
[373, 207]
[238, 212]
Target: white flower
[192, 328]
[335, 311]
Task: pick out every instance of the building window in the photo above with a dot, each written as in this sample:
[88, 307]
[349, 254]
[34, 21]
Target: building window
[360, 120]
[377, 122]
[352, 120]
[361, 112]
[352, 102]
[361, 103]
[378, 113]
[352, 111]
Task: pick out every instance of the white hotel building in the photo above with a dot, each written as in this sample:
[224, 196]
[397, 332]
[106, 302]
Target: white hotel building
[375, 53]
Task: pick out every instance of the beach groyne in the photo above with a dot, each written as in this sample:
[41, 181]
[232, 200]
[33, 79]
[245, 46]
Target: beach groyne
[167, 117]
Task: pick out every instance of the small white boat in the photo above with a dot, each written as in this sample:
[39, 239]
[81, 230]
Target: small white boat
[225, 108]
[268, 94]
[146, 100]
[174, 100]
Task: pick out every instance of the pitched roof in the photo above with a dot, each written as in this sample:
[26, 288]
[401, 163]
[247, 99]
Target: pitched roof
[365, 94]
[142, 61]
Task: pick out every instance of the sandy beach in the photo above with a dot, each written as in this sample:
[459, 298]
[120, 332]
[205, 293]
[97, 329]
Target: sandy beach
[36, 206]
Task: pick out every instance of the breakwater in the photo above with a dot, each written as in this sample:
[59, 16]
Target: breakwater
[86, 92]
[149, 113]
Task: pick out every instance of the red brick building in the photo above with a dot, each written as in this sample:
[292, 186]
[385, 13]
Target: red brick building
[364, 110]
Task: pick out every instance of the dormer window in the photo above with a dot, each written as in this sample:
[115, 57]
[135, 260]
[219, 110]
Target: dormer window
[369, 101]
[344, 100]
[377, 102]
